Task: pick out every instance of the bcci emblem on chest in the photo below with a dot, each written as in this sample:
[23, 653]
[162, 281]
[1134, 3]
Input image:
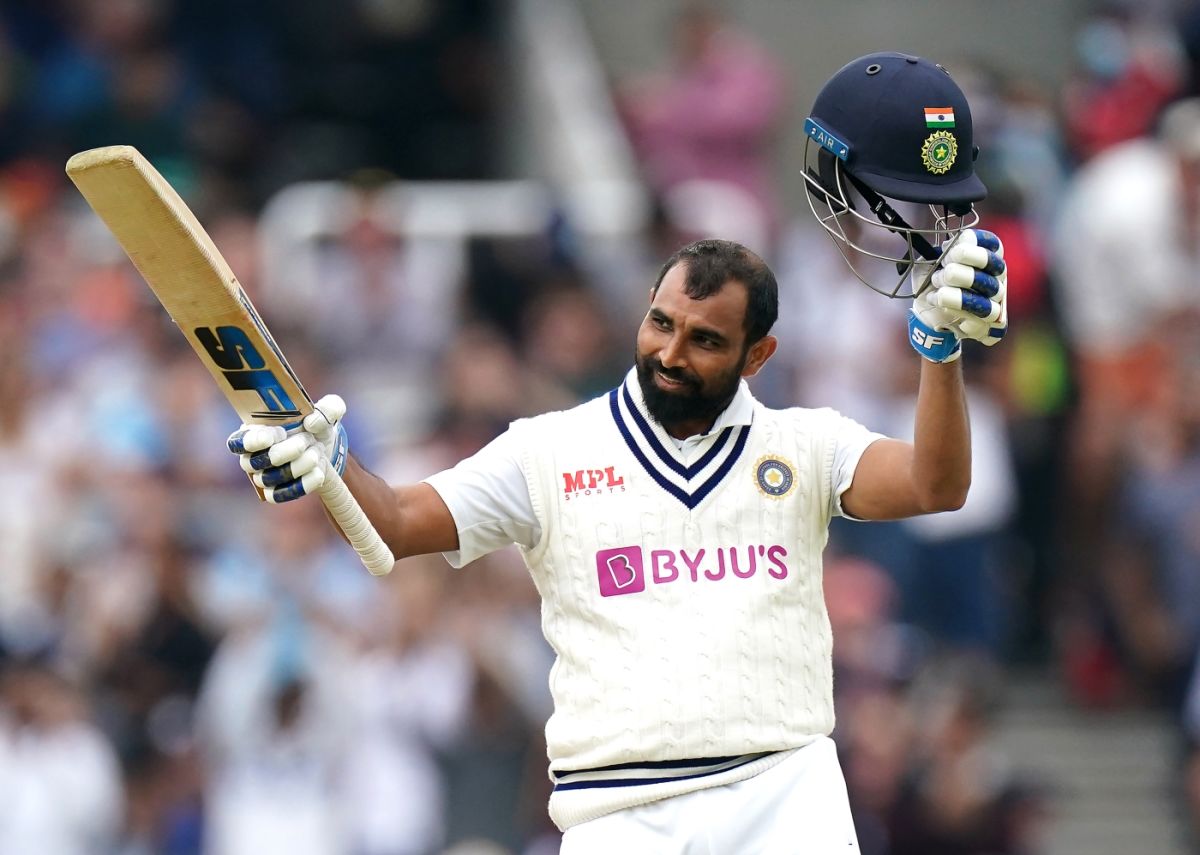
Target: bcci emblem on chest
[774, 476]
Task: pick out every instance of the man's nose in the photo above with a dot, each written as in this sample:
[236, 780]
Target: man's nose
[671, 356]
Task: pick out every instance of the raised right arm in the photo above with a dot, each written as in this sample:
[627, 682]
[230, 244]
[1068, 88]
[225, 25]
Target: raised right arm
[412, 519]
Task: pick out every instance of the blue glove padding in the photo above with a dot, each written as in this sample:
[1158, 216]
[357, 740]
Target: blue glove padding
[965, 298]
[934, 345]
[286, 465]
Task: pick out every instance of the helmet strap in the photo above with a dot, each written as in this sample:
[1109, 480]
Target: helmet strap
[895, 223]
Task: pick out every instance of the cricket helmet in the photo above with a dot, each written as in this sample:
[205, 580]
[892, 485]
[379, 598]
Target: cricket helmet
[891, 127]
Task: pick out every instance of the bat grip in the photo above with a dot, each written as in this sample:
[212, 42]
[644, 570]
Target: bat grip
[353, 522]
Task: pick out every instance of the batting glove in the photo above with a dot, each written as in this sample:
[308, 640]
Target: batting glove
[286, 465]
[964, 298]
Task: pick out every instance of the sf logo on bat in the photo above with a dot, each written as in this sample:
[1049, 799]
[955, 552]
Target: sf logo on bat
[244, 368]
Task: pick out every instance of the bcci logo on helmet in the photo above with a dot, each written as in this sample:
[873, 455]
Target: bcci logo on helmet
[939, 152]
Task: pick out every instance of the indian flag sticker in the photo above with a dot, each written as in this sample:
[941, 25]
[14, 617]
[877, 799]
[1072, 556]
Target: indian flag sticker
[939, 117]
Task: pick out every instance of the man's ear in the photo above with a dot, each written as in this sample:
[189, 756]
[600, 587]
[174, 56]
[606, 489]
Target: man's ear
[759, 353]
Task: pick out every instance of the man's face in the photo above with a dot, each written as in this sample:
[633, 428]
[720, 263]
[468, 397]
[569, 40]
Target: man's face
[691, 354]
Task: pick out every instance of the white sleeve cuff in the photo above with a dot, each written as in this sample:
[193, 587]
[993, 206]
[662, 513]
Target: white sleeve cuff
[845, 463]
[488, 498]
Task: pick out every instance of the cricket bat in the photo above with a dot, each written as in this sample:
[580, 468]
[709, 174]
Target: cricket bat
[186, 271]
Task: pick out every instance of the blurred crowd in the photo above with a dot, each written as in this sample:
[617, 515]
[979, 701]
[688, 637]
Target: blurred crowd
[183, 670]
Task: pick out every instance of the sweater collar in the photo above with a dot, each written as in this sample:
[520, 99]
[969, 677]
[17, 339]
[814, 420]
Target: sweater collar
[740, 411]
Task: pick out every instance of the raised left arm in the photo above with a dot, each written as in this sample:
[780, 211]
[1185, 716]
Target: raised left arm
[965, 299]
[896, 479]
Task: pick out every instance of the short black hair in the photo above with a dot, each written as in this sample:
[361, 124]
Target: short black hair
[711, 263]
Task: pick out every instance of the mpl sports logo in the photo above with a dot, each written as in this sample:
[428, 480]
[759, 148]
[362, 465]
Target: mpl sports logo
[592, 482]
[627, 570]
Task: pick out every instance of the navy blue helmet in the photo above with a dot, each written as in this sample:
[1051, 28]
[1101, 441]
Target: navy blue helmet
[887, 128]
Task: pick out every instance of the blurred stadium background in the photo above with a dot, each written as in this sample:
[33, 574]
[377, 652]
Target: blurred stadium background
[451, 211]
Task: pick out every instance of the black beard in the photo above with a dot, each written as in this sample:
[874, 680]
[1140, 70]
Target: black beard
[693, 403]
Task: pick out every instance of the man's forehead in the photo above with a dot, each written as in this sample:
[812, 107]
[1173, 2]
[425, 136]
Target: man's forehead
[728, 301]
[720, 316]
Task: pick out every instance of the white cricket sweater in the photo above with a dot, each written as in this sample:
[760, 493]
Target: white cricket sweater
[682, 596]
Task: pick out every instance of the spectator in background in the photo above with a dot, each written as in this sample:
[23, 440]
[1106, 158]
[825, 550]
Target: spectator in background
[1190, 767]
[1023, 155]
[60, 786]
[1125, 252]
[951, 568]
[1130, 66]
[1187, 23]
[399, 296]
[713, 116]
[327, 704]
[112, 72]
[273, 722]
[1137, 210]
[962, 796]
[1022, 159]
[1152, 573]
[825, 362]
[273, 726]
[872, 658]
[25, 527]
[585, 361]
[410, 684]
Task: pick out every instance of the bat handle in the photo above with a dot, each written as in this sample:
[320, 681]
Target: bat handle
[349, 515]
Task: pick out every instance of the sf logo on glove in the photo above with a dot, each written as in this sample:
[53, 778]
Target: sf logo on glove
[927, 340]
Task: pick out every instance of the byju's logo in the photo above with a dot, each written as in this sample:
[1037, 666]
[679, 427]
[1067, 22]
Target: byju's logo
[627, 569]
[620, 571]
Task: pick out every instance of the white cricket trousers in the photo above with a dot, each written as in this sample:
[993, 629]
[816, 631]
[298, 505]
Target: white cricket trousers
[797, 807]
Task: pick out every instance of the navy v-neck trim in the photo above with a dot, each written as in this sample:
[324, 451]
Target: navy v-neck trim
[663, 463]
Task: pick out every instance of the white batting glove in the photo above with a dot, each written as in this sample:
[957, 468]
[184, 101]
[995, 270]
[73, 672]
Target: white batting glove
[965, 298]
[286, 465]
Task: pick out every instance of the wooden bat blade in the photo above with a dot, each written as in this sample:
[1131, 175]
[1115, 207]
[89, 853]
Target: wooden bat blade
[185, 270]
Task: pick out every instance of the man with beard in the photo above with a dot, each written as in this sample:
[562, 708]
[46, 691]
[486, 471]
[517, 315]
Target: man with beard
[674, 530]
